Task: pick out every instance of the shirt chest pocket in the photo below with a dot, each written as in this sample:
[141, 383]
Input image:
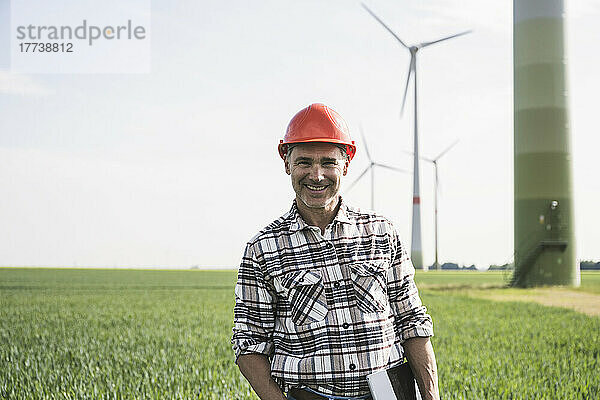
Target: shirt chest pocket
[306, 296]
[370, 285]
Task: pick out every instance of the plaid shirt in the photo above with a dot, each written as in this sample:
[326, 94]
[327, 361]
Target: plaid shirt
[328, 309]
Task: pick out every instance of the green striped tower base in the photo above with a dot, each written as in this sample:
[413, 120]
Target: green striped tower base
[544, 231]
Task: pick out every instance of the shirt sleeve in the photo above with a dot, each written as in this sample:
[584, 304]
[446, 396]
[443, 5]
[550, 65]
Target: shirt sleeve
[411, 316]
[254, 311]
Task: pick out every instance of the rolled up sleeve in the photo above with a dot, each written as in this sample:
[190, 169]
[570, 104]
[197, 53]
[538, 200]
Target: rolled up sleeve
[254, 311]
[411, 318]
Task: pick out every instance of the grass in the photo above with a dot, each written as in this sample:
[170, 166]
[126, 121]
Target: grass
[492, 350]
[492, 286]
[590, 282]
[105, 334]
[459, 279]
[126, 334]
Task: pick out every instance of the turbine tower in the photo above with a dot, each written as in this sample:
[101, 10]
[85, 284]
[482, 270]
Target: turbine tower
[434, 161]
[416, 248]
[545, 246]
[371, 167]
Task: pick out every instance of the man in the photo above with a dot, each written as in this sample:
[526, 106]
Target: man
[325, 294]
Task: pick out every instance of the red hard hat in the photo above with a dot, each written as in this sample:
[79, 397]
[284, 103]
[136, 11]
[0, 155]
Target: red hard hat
[317, 123]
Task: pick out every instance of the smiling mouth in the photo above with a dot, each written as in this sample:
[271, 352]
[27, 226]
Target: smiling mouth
[316, 188]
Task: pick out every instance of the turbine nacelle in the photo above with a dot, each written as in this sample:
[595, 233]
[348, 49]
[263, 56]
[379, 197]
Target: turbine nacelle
[413, 51]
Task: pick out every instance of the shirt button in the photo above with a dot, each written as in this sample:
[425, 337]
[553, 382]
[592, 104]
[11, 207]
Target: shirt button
[336, 284]
[345, 325]
[329, 245]
[352, 367]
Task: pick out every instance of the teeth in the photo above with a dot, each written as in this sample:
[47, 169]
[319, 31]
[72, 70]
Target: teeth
[311, 187]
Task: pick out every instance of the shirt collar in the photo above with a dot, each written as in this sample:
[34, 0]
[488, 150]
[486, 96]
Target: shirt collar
[298, 223]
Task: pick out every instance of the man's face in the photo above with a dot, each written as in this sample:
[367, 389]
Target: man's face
[316, 170]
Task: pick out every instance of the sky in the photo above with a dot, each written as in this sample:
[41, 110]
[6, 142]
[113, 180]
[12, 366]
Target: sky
[179, 167]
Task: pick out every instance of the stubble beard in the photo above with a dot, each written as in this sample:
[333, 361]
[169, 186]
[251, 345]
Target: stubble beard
[329, 204]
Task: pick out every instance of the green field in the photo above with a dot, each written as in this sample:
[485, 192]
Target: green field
[126, 334]
[590, 282]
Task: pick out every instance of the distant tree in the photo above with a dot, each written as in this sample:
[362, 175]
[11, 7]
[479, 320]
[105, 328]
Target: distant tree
[449, 266]
[589, 265]
[502, 267]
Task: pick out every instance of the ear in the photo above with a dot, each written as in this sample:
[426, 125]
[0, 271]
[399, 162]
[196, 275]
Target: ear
[346, 167]
[287, 166]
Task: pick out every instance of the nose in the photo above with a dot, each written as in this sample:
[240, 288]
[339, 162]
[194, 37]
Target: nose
[316, 173]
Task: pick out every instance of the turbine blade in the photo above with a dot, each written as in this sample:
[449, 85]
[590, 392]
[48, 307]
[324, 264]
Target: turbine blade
[358, 179]
[447, 150]
[410, 70]
[384, 25]
[425, 44]
[365, 142]
[392, 168]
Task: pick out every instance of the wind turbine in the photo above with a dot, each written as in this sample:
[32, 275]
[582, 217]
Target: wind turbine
[434, 161]
[371, 167]
[416, 252]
